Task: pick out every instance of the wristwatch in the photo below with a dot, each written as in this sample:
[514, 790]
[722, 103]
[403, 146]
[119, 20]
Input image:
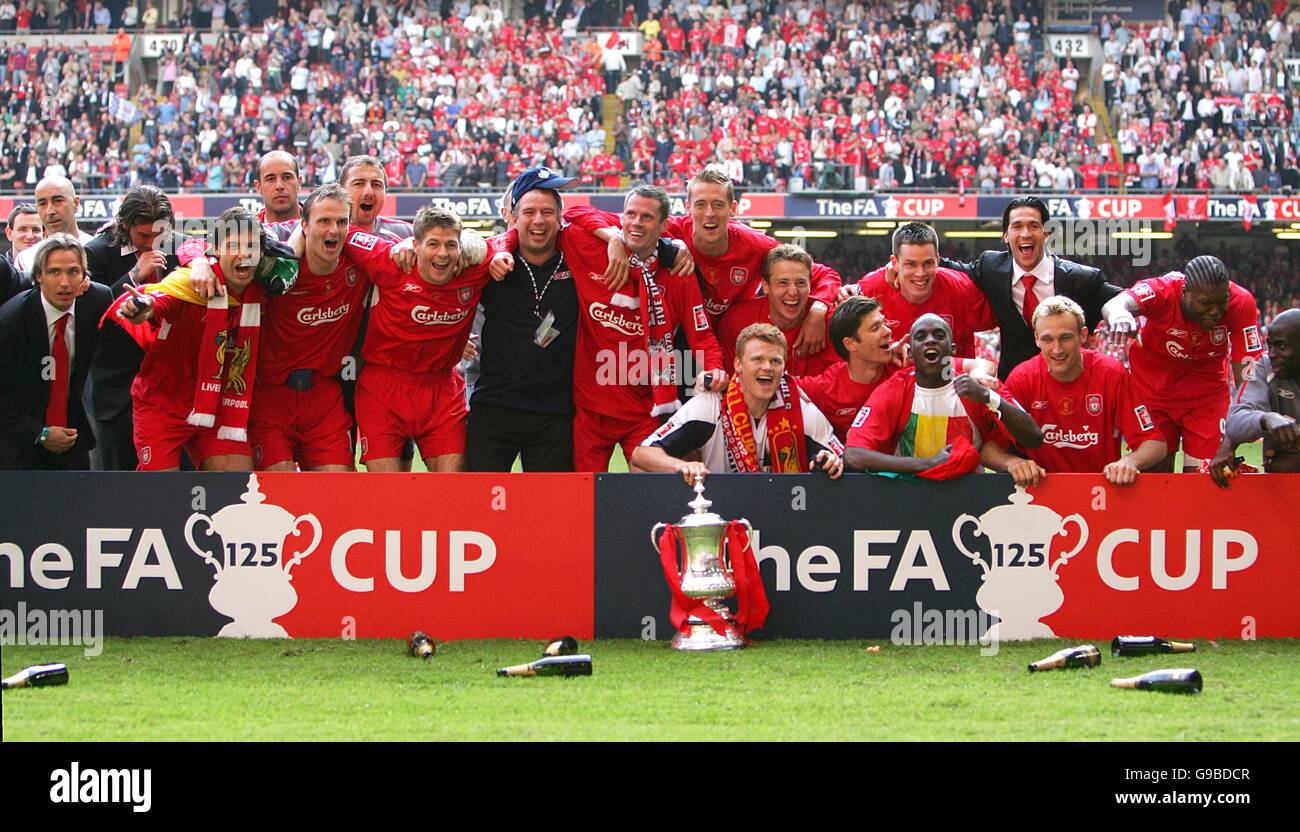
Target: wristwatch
[45, 434]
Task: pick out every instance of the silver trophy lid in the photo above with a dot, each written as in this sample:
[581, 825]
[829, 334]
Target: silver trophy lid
[700, 514]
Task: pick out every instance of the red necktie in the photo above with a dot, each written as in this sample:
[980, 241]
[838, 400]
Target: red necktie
[56, 413]
[1031, 300]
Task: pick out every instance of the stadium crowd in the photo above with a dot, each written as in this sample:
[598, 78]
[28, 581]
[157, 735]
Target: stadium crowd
[782, 95]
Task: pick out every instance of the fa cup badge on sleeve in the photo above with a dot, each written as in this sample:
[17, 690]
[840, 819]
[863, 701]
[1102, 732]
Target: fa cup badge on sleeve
[706, 560]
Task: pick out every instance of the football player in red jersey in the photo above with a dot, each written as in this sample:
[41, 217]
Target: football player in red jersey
[862, 337]
[924, 422]
[410, 388]
[625, 373]
[1083, 400]
[1195, 322]
[913, 283]
[729, 256]
[195, 385]
[307, 334]
[787, 278]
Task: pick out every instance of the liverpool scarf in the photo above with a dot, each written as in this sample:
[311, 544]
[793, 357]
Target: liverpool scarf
[785, 437]
[227, 361]
[658, 336]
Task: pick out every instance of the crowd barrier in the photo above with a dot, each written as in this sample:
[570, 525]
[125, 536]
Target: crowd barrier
[531, 556]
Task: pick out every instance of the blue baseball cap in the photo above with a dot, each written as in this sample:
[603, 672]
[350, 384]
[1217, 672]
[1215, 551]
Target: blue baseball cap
[535, 178]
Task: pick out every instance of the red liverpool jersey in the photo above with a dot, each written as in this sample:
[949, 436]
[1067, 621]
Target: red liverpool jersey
[1176, 361]
[738, 274]
[955, 299]
[611, 369]
[1083, 420]
[169, 372]
[416, 327]
[905, 420]
[314, 324]
[838, 396]
[755, 311]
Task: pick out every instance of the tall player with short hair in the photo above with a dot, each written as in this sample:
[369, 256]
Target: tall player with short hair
[729, 258]
[367, 186]
[300, 419]
[277, 181]
[913, 283]
[410, 388]
[1196, 321]
[1083, 400]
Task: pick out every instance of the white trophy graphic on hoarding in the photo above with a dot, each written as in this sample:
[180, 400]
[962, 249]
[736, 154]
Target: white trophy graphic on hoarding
[251, 586]
[1019, 585]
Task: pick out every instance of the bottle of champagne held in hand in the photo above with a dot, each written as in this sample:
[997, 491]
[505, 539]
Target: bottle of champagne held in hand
[1177, 680]
[1085, 655]
[579, 665]
[1147, 645]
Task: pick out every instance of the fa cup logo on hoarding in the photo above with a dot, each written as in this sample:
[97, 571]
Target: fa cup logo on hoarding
[251, 585]
[1019, 586]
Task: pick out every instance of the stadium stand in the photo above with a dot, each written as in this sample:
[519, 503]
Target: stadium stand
[783, 95]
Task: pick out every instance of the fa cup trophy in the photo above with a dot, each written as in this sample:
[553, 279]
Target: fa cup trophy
[706, 560]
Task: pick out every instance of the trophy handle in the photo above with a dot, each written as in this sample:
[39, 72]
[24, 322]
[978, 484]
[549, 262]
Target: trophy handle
[189, 538]
[1083, 540]
[749, 538]
[654, 535]
[311, 520]
[961, 547]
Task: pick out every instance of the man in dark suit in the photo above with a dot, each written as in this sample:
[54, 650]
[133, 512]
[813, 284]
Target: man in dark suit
[48, 339]
[12, 280]
[131, 250]
[1004, 275]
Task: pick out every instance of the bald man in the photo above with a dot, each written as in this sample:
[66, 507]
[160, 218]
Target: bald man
[57, 203]
[1268, 405]
[277, 181]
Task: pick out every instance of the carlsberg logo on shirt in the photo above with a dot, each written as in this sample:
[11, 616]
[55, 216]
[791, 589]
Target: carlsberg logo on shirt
[1068, 438]
[311, 316]
[427, 316]
[614, 319]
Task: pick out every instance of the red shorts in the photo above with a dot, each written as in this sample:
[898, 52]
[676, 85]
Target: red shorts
[310, 427]
[161, 436]
[1200, 427]
[595, 434]
[393, 407]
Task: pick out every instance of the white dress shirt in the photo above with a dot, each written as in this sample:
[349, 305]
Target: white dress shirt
[52, 316]
[27, 257]
[1044, 285]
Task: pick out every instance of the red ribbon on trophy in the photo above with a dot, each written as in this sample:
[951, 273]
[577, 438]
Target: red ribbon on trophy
[751, 598]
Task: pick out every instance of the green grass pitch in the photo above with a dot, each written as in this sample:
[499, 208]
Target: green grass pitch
[218, 689]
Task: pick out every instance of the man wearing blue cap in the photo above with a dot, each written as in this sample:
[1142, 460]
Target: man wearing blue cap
[522, 405]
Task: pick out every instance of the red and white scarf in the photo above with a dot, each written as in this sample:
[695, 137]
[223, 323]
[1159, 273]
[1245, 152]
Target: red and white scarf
[227, 361]
[658, 336]
[785, 438]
